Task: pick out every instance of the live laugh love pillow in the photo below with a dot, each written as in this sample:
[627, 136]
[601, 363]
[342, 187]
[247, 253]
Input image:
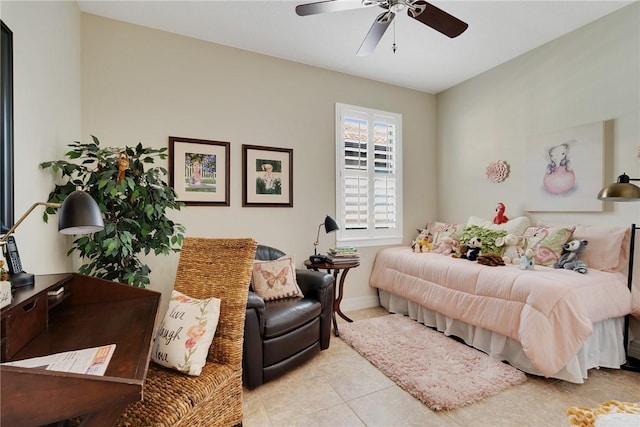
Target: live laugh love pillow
[183, 339]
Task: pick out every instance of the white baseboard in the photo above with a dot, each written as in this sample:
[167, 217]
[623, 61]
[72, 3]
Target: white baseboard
[358, 303]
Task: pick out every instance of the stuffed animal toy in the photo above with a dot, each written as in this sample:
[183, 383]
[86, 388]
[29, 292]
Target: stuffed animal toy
[447, 245]
[527, 261]
[459, 251]
[500, 217]
[513, 248]
[492, 260]
[570, 253]
[422, 232]
[422, 243]
[474, 249]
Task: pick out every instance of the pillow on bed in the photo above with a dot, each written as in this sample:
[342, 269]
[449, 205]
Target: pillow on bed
[608, 248]
[547, 242]
[515, 226]
[487, 236]
[439, 230]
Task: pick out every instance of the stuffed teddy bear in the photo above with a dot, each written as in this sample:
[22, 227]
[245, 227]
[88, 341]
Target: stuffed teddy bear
[492, 260]
[570, 253]
[446, 246]
[513, 248]
[474, 249]
[423, 241]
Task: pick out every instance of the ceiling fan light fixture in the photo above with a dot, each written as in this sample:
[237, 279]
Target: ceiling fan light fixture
[397, 6]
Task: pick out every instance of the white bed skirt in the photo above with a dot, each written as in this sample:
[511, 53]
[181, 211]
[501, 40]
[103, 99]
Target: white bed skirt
[603, 349]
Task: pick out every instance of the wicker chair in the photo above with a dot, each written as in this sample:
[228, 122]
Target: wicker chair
[207, 267]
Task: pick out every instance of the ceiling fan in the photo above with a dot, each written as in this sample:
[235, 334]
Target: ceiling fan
[419, 10]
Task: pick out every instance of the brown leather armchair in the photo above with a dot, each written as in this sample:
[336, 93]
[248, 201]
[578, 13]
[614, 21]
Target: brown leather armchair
[281, 334]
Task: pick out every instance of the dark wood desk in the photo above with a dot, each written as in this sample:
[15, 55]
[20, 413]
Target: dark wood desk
[91, 312]
[335, 269]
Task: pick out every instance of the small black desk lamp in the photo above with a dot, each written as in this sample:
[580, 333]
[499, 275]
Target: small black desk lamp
[330, 225]
[79, 214]
[624, 191]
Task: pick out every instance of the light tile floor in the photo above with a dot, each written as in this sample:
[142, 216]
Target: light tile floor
[339, 387]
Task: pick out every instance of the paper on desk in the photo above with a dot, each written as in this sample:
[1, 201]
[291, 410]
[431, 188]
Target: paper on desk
[88, 361]
[5, 293]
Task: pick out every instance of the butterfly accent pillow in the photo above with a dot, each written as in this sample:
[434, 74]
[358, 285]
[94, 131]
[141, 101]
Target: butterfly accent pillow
[275, 279]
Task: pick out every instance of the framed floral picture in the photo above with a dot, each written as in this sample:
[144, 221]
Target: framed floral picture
[267, 176]
[199, 171]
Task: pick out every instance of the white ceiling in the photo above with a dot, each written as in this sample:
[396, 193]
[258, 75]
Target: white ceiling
[425, 59]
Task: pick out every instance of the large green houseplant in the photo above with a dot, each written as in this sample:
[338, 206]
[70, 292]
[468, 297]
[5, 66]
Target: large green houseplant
[133, 198]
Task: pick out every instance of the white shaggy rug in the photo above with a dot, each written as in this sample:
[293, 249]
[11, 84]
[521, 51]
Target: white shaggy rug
[437, 370]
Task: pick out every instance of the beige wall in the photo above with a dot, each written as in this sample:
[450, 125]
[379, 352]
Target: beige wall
[78, 75]
[46, 46]
[139, 84]
[591, 74]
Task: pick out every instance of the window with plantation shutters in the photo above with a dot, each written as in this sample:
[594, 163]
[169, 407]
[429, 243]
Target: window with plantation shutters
[369, 191]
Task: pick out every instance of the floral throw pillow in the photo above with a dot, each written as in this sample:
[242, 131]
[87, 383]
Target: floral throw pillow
[546, 242]
[439, 230]
[183, 338]
[275, 279]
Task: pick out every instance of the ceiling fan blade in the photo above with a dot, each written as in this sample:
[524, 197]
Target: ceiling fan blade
[375, 33]
[437, 19]
[326, 6]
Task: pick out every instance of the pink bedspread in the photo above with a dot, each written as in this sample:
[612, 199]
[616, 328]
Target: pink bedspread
[550, 312]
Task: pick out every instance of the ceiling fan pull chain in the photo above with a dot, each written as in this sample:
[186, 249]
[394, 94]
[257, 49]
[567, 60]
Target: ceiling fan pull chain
[394, 46]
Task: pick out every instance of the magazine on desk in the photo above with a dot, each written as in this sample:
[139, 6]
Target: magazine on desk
[88, 361]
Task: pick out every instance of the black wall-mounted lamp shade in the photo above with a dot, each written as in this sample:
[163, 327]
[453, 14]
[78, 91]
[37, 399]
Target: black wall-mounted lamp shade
[79, 214]
[621, 191]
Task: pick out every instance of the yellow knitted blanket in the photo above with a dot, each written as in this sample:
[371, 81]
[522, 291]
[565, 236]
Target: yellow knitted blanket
[586, 417]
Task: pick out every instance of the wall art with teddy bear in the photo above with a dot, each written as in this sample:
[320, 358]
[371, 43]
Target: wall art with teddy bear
[564, 169]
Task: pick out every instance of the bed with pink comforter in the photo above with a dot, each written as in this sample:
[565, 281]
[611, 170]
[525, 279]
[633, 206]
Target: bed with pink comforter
[549, 312]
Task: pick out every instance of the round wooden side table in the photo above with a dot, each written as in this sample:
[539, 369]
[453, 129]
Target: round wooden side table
[339, 271]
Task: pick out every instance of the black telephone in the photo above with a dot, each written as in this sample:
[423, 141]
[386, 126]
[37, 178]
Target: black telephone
[12, 256]
[318, 259]
[17, 276]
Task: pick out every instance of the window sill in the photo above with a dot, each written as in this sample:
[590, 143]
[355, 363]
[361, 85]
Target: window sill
[366, 242]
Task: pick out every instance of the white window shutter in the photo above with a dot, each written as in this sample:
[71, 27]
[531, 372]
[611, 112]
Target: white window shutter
[368, 189]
